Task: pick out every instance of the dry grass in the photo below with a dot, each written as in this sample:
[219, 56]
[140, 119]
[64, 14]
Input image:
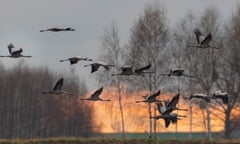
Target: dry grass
[114, 141]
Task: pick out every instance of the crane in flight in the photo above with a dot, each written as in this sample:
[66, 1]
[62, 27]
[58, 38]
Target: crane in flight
[74, 60]
[58, 29]
[201, 96]
[151, 98]
[205, 43]
[96, 96]
[166, 111]
[16, 53]
[221, 95]
[57, 89]
[177, 72]
[128, 70]
[96, 65]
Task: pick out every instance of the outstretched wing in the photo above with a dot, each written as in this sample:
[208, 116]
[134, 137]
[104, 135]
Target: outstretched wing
[196, 96]
[73, 60]
[197, 34]
[10, 46]
[94, 67]
[97, 93]
[174, 118]
[55, 29]
[17, 51]
[58, 85]
[153, 96]
[167, 122]
[173, 102]
[206, 98]
[207, 39]
[126, 69]
[224, 98]
[140, 70]
[161, 108]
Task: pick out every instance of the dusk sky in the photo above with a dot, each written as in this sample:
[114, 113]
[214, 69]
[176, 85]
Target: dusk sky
[21, 21]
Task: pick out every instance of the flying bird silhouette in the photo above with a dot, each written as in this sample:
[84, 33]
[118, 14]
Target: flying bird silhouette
[57, 90]
[221, 95]
[166, 113]
[203, 43]
[16, 53]
[128, 70]
[74, 60]
[141, 71]
[177, 72]
[201, 96]
[96, 65]
[96, 96]
[151, 98]
[57, 29]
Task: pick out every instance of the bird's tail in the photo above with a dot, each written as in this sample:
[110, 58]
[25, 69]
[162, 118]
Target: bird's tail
[149, 72]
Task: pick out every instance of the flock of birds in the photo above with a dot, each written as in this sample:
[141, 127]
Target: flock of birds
[166, 108]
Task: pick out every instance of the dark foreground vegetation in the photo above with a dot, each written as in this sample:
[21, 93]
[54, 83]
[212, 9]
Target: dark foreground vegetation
[114, 141]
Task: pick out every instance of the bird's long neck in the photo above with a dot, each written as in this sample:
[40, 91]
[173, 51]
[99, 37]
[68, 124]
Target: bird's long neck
[140, 101]
[63, 60]
[43, 30]
[119, 74]
[87, 65]
[67, 93]
[214, 47]
[106, 100]
[181, 116]
[88, 99]
[156, 117]
[26, 56]
[49, 92]
[147, 72]
[181, 109]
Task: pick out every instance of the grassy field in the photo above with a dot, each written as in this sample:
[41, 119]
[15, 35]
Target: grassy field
[131, 138]
[114, 141]
[162, 136]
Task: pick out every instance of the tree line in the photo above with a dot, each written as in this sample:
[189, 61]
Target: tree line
[27, 113]
[152, 41]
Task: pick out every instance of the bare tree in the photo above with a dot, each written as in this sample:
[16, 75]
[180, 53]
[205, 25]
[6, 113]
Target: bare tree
[113, 54]
[229, 74]
[148, 45]
[201, 63]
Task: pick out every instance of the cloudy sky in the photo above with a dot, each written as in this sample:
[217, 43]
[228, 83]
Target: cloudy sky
[21, 20]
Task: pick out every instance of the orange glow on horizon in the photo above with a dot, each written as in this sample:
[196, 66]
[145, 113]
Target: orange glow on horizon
[136, 116]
